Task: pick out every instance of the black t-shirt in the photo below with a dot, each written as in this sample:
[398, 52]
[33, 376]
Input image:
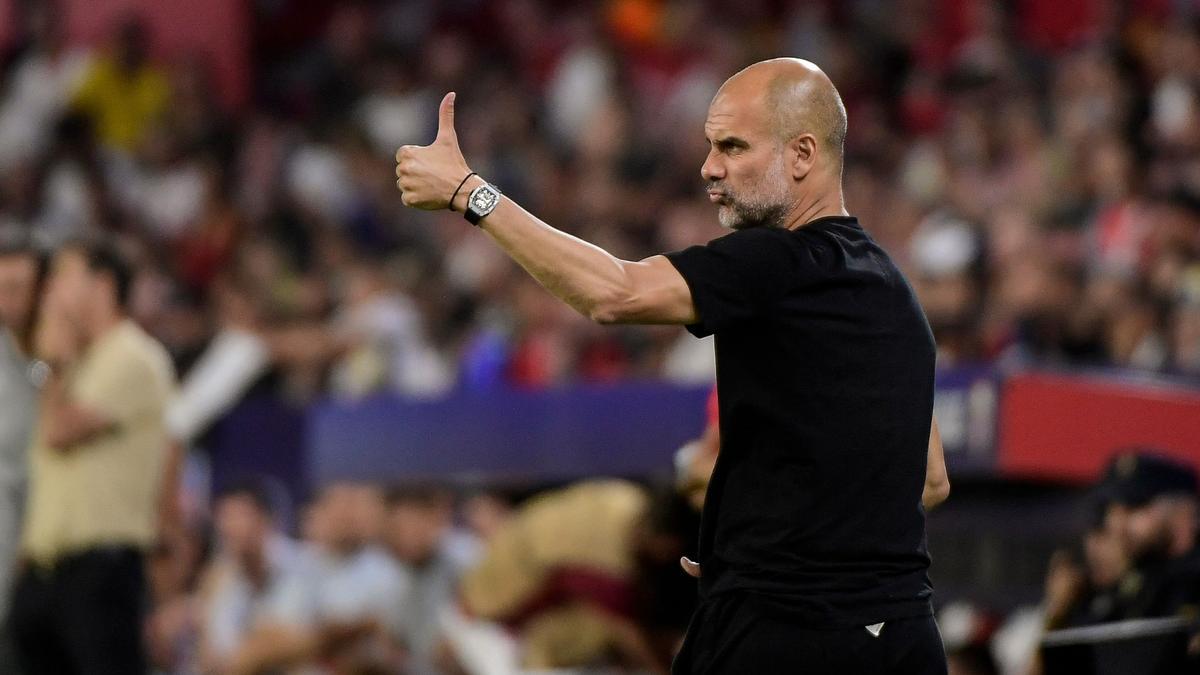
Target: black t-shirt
[825, 378]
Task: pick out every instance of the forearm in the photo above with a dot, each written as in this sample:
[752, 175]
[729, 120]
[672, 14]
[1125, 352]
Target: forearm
[581, 274]
[67, 423]
[274, 647]
[589, 279]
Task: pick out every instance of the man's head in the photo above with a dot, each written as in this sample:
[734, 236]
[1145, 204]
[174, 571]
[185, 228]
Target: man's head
[348, 516]
[20, 277]
[244, 519]
[132, 43]
[418, 517]
[776, 132]
[1151, 505]
[90, 283]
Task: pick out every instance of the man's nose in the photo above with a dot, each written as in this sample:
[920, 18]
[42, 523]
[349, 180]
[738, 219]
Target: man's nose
[712, 169]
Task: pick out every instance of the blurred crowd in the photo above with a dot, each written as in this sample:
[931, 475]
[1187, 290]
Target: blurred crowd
[1038, 178]
[420, 579]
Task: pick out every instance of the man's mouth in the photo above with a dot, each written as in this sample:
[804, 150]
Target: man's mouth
[715, 196]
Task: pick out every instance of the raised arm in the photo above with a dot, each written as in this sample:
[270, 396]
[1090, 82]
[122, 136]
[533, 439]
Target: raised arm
[937, 482]
[598, 285]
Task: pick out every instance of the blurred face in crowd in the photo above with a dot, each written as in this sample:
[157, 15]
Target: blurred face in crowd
[69, 285]
[18, 285]
[485, 514]
[242, 526]
[1158, 528]
[79, 293]
[132, 46]
[1106, 560]
[349, 516]
[415, 529]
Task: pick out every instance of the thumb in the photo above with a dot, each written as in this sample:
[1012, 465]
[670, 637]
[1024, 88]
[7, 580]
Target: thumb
[690, 566]
[446, 120]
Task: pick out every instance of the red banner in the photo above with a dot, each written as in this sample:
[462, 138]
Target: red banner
[1067, 427]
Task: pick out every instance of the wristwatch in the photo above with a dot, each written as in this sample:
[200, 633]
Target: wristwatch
[482, 201]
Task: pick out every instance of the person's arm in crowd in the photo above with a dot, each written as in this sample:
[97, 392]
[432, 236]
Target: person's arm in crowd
[65, 421]
[170, 505]
[586, 277]
[275, 646]
[937, 482]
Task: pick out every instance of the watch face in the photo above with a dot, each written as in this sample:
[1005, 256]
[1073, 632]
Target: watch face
[483, 199]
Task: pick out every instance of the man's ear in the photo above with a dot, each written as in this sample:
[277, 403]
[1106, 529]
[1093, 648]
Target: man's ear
[803, 153]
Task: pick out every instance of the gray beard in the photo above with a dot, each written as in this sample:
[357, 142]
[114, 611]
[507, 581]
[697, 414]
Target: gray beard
[768, 208]
[742, 216]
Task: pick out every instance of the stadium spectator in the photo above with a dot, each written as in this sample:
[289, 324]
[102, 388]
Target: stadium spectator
[339, 606]
[40, 86]
[1153, 511]
[252, 558]
[1083, 594]
[420, 536]
[96, 469]
[123, 91]
[20, 277]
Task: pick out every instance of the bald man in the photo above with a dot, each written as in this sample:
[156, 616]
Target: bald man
[812, 543]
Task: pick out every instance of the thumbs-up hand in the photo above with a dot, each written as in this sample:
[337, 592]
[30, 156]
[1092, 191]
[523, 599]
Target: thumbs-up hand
[428, 175]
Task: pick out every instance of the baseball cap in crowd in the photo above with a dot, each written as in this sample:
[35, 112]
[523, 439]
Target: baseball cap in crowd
[1136, 477]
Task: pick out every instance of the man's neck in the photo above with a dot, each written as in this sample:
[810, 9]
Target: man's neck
[827, 203]
[102, 324]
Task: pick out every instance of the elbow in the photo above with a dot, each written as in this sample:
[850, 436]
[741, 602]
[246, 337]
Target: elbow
[936, 493]
[603, 315]
[612, 309]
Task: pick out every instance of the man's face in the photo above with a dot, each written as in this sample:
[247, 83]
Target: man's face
[341, 509]
[1106, 560]
[415, 530]
[71, 285]
[1144, 530]
[18, 283]
[746, 167]
[241, 526]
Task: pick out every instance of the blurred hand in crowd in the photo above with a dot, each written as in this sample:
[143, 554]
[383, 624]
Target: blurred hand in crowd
[1065, 584]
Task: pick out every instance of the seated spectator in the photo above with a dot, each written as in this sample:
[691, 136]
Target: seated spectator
[252, 558]
[339, 607]
[420, 536]
[1153, 511]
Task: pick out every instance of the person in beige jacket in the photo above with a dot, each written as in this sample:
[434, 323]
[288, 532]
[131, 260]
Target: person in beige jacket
[96, 465]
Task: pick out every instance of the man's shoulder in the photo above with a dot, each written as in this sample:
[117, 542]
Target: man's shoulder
[135, 347]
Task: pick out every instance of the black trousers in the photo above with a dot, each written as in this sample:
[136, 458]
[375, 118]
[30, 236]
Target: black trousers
[729, 635]
[83, 616]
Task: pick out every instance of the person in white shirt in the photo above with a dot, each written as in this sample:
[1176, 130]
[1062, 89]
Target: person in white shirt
[252, 558]
[339, 607]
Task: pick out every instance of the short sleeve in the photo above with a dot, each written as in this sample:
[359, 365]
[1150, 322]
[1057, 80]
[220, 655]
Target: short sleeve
[128, 386]
[737, 277]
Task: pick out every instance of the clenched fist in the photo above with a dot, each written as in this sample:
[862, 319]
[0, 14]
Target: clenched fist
[427, 175]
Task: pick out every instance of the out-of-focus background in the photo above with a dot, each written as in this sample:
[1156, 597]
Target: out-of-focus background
[493, 483]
